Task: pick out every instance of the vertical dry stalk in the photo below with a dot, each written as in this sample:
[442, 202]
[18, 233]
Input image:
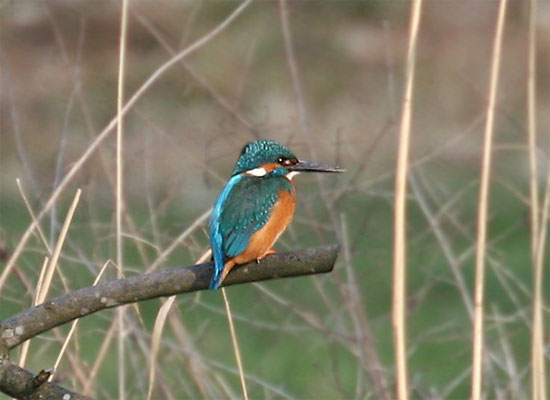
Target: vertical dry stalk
[155, 342]
[399, 249]
[483, 203]
[235, 344]
[538, 375]
[48, 268]
[532, 127]
[48, 275]
[119, 198]
[25, 346]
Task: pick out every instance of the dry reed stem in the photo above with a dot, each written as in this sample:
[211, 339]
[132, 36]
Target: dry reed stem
[538, 359]
[531, 126]
[119, 194]
[77, 165]
[48, 276]
[48, 269]
[538, 233]
[158, 328]
[235, 344]
[399, 248]
[160, 321]
[25, 346]
[483, 204]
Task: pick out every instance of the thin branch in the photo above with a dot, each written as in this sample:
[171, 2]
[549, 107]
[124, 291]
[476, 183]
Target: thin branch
[66, 308]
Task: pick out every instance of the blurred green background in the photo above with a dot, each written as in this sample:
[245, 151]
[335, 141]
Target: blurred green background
[300, 338]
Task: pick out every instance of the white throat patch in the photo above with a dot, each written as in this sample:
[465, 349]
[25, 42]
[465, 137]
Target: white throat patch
[292, 174]
[257, 172]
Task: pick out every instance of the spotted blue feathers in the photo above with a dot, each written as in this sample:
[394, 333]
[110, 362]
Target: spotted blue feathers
[254, 154]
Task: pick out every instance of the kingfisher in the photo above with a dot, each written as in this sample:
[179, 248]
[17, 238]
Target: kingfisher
[256, 205]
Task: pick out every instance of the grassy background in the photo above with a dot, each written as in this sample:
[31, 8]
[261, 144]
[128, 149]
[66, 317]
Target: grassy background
[59, 77]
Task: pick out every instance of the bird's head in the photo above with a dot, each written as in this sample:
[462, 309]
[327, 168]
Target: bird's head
[264, 157]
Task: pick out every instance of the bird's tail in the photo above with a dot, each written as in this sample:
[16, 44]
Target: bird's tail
[220, 273]
[216, 280]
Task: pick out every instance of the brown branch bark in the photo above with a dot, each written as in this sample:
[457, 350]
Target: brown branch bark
[66, 308]
[21, 384]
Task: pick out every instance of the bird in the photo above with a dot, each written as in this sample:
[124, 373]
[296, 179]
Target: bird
[256, 205]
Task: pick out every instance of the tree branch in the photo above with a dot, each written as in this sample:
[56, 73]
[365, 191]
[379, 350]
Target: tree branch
[21, 384]
[60, 310]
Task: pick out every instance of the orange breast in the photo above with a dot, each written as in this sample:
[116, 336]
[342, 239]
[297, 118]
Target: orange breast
[262, 240]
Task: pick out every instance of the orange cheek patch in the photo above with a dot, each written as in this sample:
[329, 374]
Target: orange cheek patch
[270, 167]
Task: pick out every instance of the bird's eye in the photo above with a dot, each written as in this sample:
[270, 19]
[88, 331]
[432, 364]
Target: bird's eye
[286, 161]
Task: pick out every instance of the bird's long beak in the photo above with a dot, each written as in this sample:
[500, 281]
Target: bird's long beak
[308, 166]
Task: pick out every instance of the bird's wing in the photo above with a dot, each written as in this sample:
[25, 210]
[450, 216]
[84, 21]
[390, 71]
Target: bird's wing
[216, 235]
[243, 207]
[246, 210]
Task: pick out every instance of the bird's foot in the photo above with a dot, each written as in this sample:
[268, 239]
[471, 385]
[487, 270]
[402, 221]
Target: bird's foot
[270, 251]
